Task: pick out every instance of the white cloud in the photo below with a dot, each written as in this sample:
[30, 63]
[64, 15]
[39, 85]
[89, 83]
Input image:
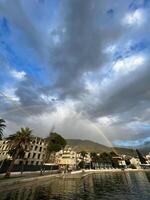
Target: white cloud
[110, 49]
[107, 120]
[47, 98]
[18, 75]
[134, 18]
[67, 121]
[129, 64]
[10, 94]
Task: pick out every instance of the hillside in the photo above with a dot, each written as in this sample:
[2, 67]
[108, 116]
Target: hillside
[89, 146]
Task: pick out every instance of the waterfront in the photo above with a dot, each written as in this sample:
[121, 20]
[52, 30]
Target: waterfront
[105, 186]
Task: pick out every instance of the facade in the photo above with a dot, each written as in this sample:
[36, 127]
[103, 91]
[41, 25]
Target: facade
[136, 162]
[148, 158]
[86, 158]
[34, 156]
[4, 147]
[67, 157]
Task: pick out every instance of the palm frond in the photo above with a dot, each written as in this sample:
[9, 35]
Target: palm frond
[20, 140]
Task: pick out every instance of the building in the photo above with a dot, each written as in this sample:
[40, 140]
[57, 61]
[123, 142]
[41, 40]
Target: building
[135, 162]
[148, 158]
[4, 147]
[35, 154]
[67, 157]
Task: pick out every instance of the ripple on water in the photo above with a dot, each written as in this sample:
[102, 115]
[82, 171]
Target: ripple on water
[104, 186]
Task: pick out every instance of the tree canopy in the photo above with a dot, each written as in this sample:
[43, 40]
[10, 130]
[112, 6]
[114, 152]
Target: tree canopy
[18, 145]
[55, 142]
[19, 141]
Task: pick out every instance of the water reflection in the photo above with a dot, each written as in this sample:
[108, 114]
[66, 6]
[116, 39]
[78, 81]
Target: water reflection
[124, 186]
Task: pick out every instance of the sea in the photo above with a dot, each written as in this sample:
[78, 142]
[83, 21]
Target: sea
[99, 186]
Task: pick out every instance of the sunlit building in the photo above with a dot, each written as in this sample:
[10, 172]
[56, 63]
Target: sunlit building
[34, 155]
[67, 157]
[148, 158]
[136, 162]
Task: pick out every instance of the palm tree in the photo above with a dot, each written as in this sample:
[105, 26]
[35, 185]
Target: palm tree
[2, 126]
[19, 142]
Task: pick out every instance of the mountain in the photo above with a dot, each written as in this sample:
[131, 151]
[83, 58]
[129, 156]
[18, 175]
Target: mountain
[89, 146]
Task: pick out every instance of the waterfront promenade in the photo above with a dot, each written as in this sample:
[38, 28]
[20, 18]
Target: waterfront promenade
[17, 180]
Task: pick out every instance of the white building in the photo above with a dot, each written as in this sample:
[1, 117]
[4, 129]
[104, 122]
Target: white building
[4, 147]
[136, 162]
[67, 157]
[34, 156]
[148, 158]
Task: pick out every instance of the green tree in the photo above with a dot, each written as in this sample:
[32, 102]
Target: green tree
[55, 143]
[94, 159]
[114, 161]
[2, 127]
[142, 159]
[105, 158]
[82, 163]
[19, 142]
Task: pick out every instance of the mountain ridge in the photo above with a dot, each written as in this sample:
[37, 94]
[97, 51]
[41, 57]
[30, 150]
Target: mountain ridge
[90, 146]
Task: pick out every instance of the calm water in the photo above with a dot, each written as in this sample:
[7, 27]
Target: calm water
[117, 186]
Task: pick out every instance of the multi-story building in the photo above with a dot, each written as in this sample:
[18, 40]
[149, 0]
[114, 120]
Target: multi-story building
[67, 157]
[35, 154]
[4, 148]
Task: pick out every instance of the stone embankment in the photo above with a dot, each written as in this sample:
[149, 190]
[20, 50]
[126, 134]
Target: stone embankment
[13, 182]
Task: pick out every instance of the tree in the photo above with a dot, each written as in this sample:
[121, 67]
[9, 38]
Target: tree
[2, 127]
[142, 159]
[94, 159]
[55, 143]
[82, 163]
[19, 142]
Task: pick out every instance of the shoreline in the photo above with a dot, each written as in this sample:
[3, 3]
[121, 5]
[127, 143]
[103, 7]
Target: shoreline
[14, 182]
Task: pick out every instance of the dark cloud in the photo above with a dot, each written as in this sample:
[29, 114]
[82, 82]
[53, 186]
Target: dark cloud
[131, 93]
[72, 46]
[82, 37]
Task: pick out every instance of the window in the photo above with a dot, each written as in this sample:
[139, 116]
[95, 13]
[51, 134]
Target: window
[39, 156]
[29, 155]
[36, 148]
[37, 162]
[26, 162]
[40, 149]
[34, 155]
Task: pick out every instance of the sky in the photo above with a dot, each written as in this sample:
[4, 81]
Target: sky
[80, 68]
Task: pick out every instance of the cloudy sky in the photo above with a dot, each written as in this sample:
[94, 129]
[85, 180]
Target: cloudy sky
[78, 66]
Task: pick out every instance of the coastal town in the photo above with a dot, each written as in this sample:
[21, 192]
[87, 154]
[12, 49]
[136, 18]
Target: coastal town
[74, 100]
[68, 159]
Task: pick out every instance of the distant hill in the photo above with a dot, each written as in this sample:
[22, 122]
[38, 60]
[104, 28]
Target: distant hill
[89, 146]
